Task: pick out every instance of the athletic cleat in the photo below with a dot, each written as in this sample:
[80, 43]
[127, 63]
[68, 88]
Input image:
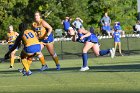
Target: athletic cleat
[20, 70]
[121, 54]
[23, 71]
[57, 67]
[11, 67]
[44, 67]
[112, 52]
[84, 68]
[113, 49]
[27, 73]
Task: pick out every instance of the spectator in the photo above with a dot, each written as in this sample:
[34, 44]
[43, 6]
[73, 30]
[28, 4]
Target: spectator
[117, 26]
[137, 27]
[117, 41]
[106, 19]
[106, 30]
[77, 24]
[66, 24]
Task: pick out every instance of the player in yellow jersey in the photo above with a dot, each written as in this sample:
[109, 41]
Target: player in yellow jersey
[31, 48]
[45, 35]
[11, 37]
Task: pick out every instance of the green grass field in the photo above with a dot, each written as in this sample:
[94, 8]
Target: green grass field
[106, 75]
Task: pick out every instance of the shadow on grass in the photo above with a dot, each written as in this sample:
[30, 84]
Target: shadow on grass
[109, 68]
[117, 68]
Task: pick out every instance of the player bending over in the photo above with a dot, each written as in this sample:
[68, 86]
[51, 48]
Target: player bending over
[90, 41]
[31, 48]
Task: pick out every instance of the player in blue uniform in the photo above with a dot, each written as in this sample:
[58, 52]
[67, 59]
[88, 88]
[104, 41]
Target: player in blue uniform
[117, 40]
[90, 42]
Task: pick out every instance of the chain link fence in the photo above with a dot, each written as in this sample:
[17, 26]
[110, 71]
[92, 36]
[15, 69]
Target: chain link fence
[66, 49]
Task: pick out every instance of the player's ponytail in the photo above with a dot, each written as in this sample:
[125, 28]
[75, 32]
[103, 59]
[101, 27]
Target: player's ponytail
[22, 27]
[92, 30]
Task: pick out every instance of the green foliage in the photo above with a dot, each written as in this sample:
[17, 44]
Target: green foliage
[54, 11]
[11, 13]
[123, 11]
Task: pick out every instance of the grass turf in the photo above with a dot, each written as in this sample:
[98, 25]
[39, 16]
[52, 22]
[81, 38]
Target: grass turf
[106, 75]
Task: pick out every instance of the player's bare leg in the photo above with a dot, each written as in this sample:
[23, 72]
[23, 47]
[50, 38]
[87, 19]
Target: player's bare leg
[50, 48]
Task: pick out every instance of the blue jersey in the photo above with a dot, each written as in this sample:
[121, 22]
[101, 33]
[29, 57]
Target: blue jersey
[79, 40]
[117, 36]
[66, 25]
[92, 38]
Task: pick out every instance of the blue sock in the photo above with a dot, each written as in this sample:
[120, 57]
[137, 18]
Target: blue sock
[104, 52]
[85, 58]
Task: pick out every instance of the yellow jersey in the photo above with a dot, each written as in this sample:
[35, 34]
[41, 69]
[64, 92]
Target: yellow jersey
[39, 29]
[29, 38]
[11, 37]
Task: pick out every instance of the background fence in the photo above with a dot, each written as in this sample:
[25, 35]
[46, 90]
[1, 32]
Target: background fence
[66, 49]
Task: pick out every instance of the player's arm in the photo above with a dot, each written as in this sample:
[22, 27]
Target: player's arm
[72, 33]
[85, 32]
[74, 38]
[113, 35]
[102, 21]
[7, 38]
[70, 19]
[80, 20]
[32, 27]
[109, 21]
[17, 34]
[46, 25]
[73, 24]
[36, 35]
[62, 22]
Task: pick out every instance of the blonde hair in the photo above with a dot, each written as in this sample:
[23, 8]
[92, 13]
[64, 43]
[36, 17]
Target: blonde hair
[38, 13]
[10, 26]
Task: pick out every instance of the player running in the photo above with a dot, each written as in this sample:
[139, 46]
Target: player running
[90, 42]
[31, 48]
[45, 35]
[11, 37]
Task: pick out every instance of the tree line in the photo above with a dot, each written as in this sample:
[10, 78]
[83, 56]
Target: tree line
[54, 11]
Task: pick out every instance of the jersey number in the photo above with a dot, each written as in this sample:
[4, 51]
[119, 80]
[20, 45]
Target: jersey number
[29, 35]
